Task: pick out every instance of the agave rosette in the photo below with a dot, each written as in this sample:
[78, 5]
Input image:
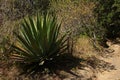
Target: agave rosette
[39, 39]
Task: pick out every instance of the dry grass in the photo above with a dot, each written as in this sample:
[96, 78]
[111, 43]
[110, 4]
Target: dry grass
[84, 48]
[72, 14]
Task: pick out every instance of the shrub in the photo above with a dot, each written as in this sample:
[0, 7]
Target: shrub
[40, 43]
[108, 13]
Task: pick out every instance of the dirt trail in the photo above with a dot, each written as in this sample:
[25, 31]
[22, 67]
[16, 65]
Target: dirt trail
[115, 61]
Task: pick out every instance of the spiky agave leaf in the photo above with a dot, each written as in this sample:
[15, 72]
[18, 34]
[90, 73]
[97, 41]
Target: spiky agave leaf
[40, 41]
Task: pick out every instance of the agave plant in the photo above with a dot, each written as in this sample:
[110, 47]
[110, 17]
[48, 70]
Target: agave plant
[39, 41]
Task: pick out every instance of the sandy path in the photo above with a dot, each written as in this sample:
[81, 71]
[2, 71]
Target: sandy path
[115, 61]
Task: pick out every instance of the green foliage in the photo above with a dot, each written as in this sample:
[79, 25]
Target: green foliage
[40, 42]
[109, 16]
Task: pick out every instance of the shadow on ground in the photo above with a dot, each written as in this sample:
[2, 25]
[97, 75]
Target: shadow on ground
[64, 63]
[100, 65]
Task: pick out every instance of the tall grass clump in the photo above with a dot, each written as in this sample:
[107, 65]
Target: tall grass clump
[39, 43]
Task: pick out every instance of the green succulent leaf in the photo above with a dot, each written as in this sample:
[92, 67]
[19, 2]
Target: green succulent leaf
[39, 40]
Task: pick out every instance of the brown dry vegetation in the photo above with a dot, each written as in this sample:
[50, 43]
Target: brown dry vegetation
[84, 47]
[74, 15]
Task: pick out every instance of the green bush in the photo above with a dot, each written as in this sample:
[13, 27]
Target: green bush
[39, 42]
[108, 13]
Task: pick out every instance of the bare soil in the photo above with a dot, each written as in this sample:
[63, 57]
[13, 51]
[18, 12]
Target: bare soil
[114, 59]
